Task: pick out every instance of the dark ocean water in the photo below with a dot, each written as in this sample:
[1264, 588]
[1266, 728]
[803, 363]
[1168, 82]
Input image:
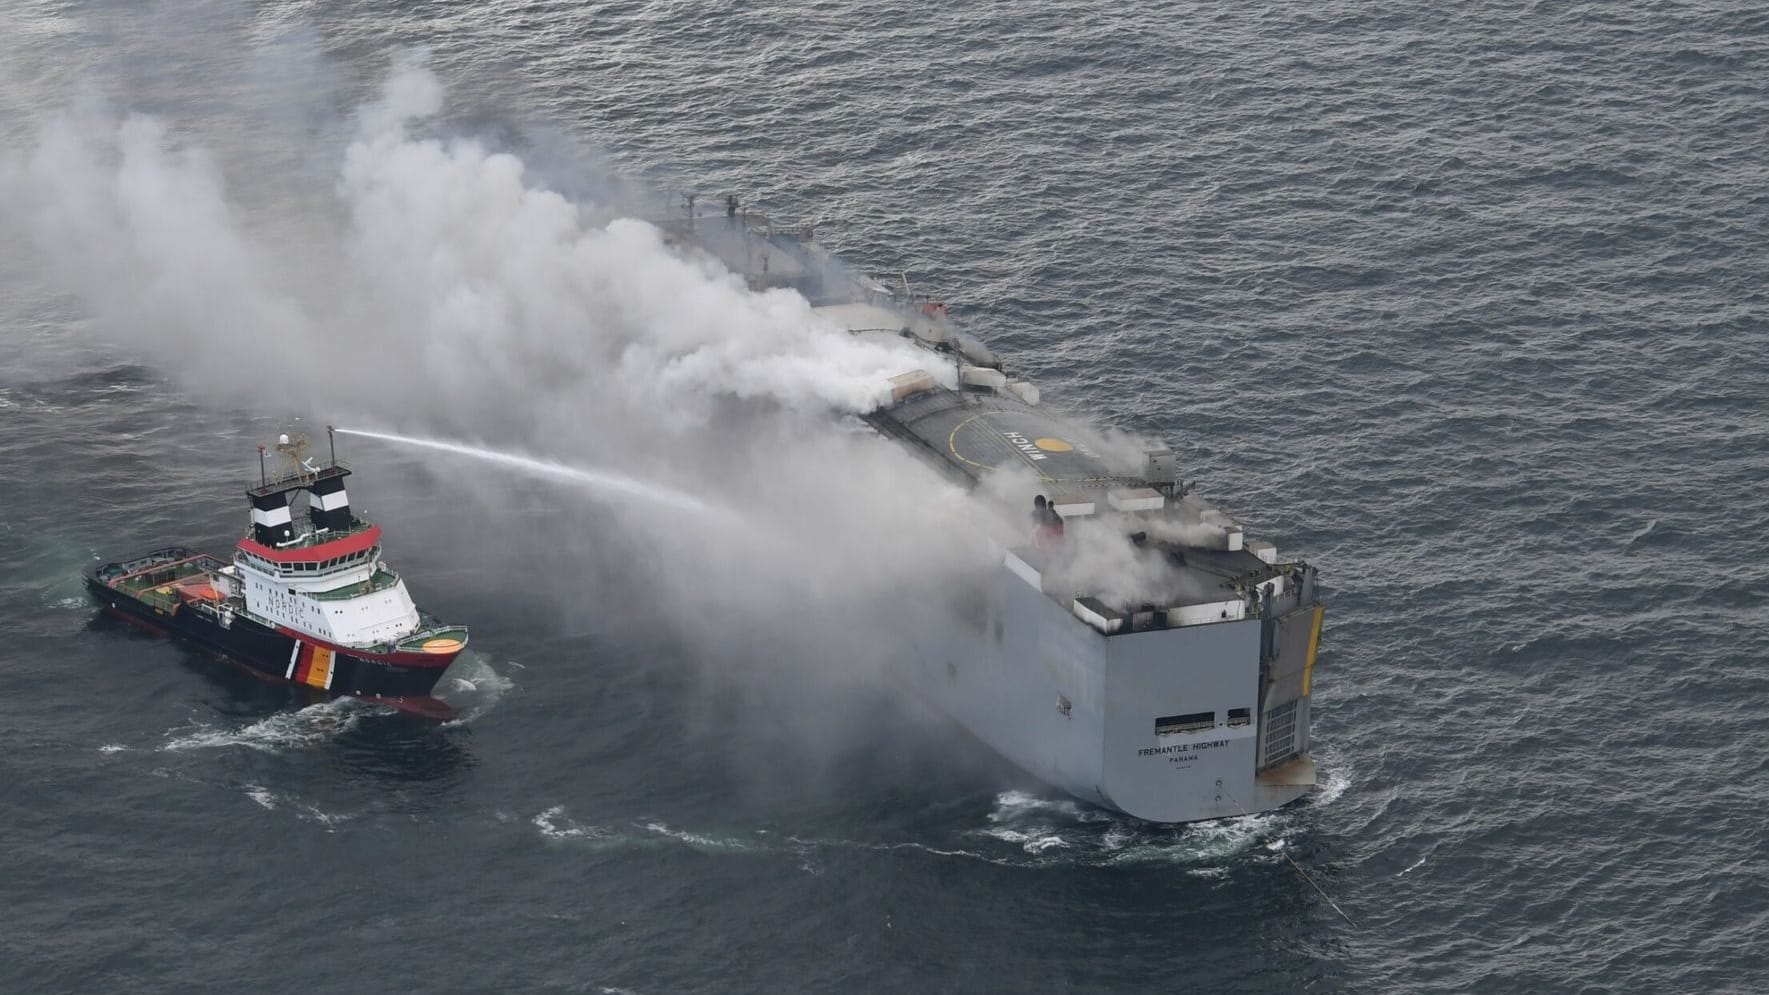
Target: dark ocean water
[1464, 303]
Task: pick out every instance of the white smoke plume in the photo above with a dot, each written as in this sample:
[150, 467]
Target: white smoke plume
[437, 289]
[456, 274]
[430, 284]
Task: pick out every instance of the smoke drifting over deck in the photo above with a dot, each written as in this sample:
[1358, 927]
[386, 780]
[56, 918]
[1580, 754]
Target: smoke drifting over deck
[450, 271]
[438, 290]
[431, 287]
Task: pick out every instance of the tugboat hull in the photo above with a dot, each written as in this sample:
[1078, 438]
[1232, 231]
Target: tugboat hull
[401, 679]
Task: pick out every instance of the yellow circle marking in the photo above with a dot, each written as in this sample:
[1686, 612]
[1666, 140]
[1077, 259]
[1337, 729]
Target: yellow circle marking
[441, 645]
[1052, 445]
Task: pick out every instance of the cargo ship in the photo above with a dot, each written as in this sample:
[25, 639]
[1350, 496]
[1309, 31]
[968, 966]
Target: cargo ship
[1174, 683]
[305, 601]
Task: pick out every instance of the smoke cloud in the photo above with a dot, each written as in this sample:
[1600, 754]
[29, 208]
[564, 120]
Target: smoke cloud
[438, 289]
[431, 285]
[455, 273]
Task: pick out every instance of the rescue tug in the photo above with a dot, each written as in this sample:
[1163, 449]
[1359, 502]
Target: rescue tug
[308, 602]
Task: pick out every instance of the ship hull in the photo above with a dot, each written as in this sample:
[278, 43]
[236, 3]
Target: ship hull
[289, 658]
[1084, 712]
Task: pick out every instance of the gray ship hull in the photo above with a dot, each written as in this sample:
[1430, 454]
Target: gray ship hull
[1084, 711]
[1146, 656]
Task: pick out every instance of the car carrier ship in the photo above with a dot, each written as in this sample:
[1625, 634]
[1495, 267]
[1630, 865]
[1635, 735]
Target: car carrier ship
[1185, 699]
[305, 602]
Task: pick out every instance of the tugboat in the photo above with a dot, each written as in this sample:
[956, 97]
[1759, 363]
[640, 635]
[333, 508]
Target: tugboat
[308, 603]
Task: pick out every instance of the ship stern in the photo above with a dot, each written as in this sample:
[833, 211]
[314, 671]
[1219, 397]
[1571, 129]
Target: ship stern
[1209, 721]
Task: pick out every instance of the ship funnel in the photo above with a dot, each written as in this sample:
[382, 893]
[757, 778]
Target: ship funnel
[271, 522]
[328, 507]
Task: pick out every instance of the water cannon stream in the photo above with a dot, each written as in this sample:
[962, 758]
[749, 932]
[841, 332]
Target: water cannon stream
[607, 481]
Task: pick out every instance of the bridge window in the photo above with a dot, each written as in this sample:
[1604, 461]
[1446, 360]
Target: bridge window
[1240, 716]
[1167, 725]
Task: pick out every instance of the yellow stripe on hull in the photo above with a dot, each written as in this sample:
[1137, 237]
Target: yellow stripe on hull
[1314, 643]
[319, 674]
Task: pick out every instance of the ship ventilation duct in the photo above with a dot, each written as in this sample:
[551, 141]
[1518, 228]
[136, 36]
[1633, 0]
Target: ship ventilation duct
[907, 385]
[1161, 468]
[982, 376]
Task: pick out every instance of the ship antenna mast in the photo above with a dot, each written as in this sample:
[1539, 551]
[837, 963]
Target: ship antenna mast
[263, 480]
[332, 443]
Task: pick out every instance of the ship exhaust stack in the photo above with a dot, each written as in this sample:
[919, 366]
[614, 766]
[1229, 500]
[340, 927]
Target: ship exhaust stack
[271, 522]
[328, 505]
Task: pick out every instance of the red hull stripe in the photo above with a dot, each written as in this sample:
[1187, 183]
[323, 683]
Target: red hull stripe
[305, 664]
[323, 551]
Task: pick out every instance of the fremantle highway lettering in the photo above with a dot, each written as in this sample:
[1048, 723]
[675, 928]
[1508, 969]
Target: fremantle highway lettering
[1182, 752]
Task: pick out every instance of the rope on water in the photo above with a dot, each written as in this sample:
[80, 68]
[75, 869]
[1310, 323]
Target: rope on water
[1285, 852]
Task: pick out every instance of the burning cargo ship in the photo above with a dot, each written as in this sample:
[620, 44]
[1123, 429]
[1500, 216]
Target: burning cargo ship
[1183, 697]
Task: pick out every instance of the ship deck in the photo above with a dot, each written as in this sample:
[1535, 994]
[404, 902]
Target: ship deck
[973, 433]
[1181, 561]
[164, 578]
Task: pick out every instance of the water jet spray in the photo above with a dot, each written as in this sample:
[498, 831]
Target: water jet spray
[535, 466]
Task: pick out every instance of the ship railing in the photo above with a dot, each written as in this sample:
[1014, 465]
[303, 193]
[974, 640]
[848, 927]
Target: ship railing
[169, 567]
[430, 631]
[380, 581]
[315, 537]
[333, 468]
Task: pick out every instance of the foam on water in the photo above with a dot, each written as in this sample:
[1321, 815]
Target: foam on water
[318, 723]
[1060, 831]
[1334, 781]
[554, 824]
[272, 801]
[473, 687]
[700, 840]
[1023, 830]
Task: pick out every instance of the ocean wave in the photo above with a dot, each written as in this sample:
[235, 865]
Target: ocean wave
[306, 727]
[554, 824]
[1021, 829]
[305, 811]
[700, 840]
[474, 687]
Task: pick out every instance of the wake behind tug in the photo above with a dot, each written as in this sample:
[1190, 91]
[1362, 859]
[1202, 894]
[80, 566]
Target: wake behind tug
[308, 603]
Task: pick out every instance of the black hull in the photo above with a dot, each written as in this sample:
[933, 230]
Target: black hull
[283, 659]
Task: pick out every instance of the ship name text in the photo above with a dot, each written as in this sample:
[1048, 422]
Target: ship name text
[1154, 751]
[1024, 445]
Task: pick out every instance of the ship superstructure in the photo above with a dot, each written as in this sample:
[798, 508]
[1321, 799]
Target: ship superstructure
[1174, 682]
[309, 600]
